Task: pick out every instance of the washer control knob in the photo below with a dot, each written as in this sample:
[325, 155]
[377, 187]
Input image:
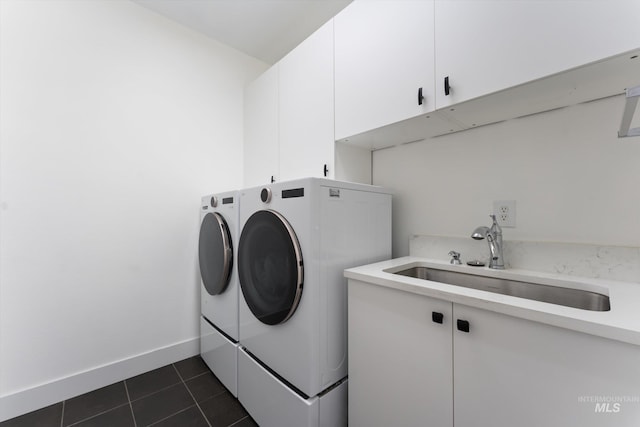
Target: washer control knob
[214, 201]
[265, 195]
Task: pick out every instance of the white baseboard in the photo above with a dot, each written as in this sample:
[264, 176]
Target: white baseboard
[24, 401]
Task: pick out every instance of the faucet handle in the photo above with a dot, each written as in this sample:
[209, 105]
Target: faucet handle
[455, 257]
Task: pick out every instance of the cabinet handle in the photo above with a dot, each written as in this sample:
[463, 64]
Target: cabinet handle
[437, 317]
[272, 179]
[420, 97]
[463, 325]
[447, 88]
[326, 170]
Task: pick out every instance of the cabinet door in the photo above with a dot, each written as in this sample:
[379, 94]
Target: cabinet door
[306, 107]
[261, 129]
[399, 358]
[383, 55]
[484, 46]
[514, 372]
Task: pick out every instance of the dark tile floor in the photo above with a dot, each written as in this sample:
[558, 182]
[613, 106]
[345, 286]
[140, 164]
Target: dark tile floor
[182, 394]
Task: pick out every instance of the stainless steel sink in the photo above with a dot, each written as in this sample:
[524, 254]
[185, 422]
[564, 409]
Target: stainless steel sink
[575, 298]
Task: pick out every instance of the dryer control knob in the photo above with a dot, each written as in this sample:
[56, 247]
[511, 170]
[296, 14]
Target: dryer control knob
[265, 195]
[214, 201]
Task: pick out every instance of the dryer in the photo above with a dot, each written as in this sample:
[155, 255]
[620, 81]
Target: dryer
[297, 238]
[219, 286]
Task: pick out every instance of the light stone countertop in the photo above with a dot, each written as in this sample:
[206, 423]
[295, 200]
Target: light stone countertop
[621, 323]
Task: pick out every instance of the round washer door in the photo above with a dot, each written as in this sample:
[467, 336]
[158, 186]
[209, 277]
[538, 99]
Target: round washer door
[270, 267]
[215, 253]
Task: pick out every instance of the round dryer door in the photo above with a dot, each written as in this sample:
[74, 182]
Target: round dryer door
[270, 267]
[215, 253]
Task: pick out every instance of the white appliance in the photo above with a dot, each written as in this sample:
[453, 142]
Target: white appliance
[219, 290]
[297, 238]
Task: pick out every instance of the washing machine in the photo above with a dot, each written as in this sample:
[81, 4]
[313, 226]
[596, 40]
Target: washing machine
[297, 237]
[219, 290]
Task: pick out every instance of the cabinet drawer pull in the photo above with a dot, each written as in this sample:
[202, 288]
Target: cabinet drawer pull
[272, 179]
[437, 317]
[326, 170]
[463, 325]
[447, 88]
[420, 97]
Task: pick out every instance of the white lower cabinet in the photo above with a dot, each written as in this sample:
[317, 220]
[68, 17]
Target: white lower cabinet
[407, 370]
[393, 380]
[514, 372]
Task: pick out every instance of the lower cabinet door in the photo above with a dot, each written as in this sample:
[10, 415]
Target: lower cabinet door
[400, 371]
[514, 372]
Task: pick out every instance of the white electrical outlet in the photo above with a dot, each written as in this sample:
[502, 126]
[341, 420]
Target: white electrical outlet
[505, 212]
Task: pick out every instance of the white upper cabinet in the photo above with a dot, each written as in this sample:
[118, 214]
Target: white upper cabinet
[375, 75]
[503, 59]
[485, 46]
[289, 115]
[261, 146]
[306, 108]
[384, 54]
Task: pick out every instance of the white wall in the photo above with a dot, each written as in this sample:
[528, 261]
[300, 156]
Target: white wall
[114, 121]
[572, 178]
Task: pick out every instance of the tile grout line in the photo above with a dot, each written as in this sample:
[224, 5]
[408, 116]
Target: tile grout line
[62, 415]
[213, 395]
[167, 417]
[219, 394]
[238, 422]
[135, 424]
[191, 394]
[198, 376]
[154, 392]
[96, 415]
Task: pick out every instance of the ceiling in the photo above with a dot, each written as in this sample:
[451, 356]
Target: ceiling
[264, 29]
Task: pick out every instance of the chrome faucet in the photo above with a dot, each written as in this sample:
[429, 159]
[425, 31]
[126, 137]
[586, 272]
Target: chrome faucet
[494, 239]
